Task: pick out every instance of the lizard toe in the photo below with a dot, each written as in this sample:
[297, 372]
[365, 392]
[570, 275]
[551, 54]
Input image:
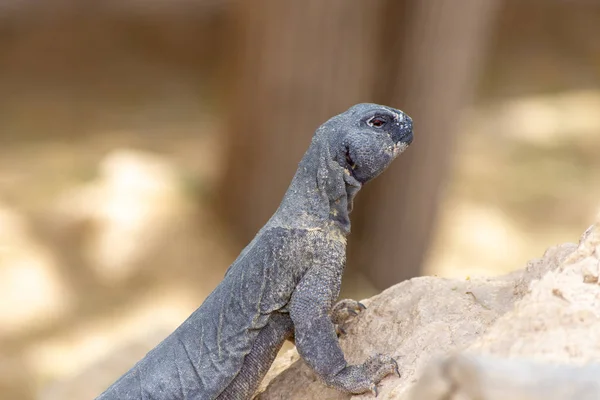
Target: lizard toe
[379, 366]
[345, 310]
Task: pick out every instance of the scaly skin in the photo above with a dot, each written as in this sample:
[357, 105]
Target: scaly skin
[284, 283]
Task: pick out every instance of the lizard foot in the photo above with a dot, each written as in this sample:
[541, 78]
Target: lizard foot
[362, 378]
[343, 312]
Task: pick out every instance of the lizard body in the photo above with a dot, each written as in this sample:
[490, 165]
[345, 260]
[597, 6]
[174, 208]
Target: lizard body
[284, 283]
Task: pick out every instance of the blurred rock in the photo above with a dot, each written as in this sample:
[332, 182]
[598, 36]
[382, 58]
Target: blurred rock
[124, 219]
[489, 378]
[543, 313]
[31, 291]
[533, 119]
[85, 360]
[473, 234]
[138, 230]
[15, 379]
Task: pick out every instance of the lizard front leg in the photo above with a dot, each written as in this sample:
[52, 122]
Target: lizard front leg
[316, 338]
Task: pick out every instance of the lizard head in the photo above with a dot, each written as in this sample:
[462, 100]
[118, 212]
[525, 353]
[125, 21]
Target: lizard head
[346, 151]
[368, 138]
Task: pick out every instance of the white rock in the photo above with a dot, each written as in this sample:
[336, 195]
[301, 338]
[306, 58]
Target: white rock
[31, 292]
[135, 204]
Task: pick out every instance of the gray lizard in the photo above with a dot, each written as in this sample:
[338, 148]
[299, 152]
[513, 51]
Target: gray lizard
[284, 284]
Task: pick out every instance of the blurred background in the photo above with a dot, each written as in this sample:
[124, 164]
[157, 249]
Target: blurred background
[144, 142]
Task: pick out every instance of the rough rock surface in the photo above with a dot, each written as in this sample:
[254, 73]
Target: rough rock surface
[528, 321]
[467, 377]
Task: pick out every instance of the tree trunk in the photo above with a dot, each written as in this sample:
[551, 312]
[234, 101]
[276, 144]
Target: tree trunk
[300, 63]
[442, 48]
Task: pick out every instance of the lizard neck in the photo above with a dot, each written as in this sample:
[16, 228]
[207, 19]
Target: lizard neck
[321, 192]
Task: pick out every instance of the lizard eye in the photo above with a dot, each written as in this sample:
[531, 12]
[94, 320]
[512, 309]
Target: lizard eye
[377, 122]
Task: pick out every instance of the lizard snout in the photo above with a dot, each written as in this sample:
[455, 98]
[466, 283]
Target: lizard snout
[403, 132]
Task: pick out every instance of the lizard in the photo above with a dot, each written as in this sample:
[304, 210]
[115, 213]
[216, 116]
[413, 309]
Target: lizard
[284, 283]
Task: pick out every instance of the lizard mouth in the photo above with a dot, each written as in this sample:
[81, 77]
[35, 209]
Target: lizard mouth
[350, 165]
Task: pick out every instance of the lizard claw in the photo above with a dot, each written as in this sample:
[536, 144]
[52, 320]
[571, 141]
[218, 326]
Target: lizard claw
[373, 389]
[345, 310]
[396, 368]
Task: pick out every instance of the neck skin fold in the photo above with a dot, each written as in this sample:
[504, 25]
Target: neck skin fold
[321, 192]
